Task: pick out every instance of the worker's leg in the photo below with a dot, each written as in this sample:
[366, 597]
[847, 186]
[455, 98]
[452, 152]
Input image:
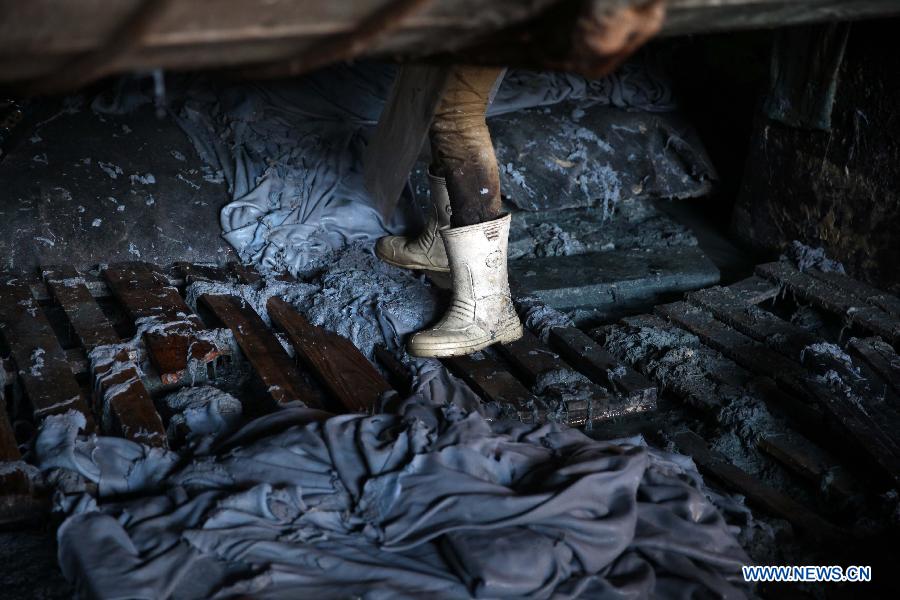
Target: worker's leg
[461, 148]
[464, 162]
[481, 312]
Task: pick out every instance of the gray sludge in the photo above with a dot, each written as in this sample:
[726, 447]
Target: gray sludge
[433, 500]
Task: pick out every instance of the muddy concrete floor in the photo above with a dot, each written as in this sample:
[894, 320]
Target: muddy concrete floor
[82, 188]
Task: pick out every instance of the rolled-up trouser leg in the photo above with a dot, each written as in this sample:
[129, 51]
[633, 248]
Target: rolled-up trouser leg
[461, 146]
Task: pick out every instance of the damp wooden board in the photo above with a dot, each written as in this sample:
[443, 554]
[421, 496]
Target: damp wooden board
[278, 372]
[742, 349]
[124, 404]
[40, 360]
[399, 376]
[85, 317]
[492, 381]
[868, 432]
[147, 294]
[833, 299]
[757, 492]
[811, 462]
[533, 359]
[880, 357]
[344, 371]
[591, 359]
[858, 289]
[776, 333]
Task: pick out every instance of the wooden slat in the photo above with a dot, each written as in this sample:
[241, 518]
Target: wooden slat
[342, 368]
[399, 376]
[826, 296]
[761, 325]
[147, 296]
[880, 357]
[120, 397]
[754, 290]
[757, 492]
[849, 411]
[492, 381]
[589, 357]
[83, 313]
[810, 462]
[860, 290]
[123, 402]
[278, 372]
[192, 272]
[533, 359]
[40, 361]
[17, 501]
[740, 348]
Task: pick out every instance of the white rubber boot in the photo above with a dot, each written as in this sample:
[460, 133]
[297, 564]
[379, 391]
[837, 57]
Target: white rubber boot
[425, 252]
[481, 312]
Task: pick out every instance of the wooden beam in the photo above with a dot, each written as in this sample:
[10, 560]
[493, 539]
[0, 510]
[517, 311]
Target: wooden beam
[342, 368]
[40, 360]
[69, 289]
[283, 380]
[172, 339]
[120, 397]
[833, 299]
[492, 381]
[880, 357]
[767, 498]
[39, 36]
[590, 358]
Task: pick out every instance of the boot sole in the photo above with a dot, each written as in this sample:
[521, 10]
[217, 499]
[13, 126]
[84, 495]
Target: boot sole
[512, 333]
[414, 267]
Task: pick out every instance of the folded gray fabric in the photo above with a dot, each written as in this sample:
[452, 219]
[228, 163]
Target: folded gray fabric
[435, 500]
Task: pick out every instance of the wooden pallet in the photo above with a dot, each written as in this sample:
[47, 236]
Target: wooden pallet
[844, 411]
[61, 351]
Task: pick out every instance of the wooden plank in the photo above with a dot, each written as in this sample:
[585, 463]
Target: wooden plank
[880, 357]
[755, 290]
[860, 290]
[342, 368]
[534, 361]
[761, 325]
[742, 349]
[863, 420]
[283, 380]
[121, 400]
[192, 272]
[90, 325]
[767, 498]
[17, 498]
[810, 462]
[399, 376]
[589, 357]
[171, 334]
[824, 295]
[492, 381]
[40, 361]
[401, 131]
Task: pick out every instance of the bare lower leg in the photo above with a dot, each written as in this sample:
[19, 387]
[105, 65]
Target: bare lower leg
[461, 147]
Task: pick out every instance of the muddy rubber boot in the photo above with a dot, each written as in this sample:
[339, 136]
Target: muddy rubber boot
[426, 251]
[482, 311]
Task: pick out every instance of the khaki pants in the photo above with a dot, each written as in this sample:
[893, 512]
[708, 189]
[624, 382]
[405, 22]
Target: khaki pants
[461, 147]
